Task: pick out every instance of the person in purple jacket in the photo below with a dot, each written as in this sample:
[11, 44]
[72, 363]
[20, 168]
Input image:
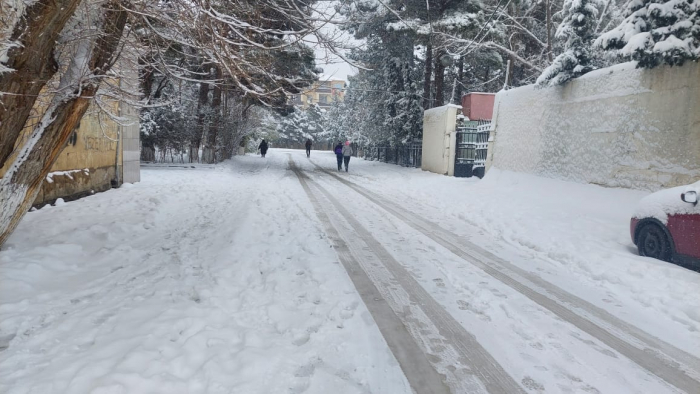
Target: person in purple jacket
[339, 154]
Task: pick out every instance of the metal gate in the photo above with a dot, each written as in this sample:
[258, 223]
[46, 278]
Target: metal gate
[482, 144]
[470, 149]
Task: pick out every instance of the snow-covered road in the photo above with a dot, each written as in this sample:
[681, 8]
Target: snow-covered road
[277, 275]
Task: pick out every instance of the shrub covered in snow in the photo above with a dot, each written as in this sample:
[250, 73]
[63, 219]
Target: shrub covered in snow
[577, 28]
[656, 32]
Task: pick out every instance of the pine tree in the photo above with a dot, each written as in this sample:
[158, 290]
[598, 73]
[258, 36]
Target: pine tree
[577, 28]
[313, 122]
[656, 32]
[300, 125]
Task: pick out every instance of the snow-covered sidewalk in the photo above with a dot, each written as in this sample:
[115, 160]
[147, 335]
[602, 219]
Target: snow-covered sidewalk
[214, 280]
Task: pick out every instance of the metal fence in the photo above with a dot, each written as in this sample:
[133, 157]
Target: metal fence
[409, 155]
[472, 144]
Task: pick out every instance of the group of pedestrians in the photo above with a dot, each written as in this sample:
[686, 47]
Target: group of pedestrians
[343, 152]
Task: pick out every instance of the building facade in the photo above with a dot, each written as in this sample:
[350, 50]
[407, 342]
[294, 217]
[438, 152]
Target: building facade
[323, 93]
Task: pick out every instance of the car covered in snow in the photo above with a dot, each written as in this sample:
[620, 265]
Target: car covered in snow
[666, 225]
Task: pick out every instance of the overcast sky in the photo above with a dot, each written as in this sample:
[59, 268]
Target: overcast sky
[331, 64]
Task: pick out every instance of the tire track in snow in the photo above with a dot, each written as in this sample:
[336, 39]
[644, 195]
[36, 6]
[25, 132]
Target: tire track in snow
[483, 372]
[675, 366]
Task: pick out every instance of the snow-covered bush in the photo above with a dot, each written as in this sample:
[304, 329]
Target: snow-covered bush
[656, 32]
[577, 29]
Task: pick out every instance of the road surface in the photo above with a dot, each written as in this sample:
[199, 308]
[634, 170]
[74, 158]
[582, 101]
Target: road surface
[282, 275]
[448, 348]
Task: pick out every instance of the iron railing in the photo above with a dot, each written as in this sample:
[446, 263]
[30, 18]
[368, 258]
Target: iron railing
[408, 155]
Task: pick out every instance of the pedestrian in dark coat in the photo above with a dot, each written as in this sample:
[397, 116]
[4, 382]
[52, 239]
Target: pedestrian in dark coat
[263, 148]
[339, 154]
[308, 148]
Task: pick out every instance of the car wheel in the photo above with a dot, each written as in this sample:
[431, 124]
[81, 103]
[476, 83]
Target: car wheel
[653, 242]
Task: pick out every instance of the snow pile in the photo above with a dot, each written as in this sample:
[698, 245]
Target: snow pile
[69, 174]
[188, 282]
[662, 204]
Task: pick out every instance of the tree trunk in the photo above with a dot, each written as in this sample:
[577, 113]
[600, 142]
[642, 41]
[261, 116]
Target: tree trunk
[227, 140]
[202, 103]
[427, 75]
[34, 65]
[549, 30]
[22, 182]
[460, 79]
[511, 71]
[439, 81]
[216, 119]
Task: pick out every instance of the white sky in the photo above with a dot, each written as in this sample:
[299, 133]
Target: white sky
[332, 65]
[338, 70]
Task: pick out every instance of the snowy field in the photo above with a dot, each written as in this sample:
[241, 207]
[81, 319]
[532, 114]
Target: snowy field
[224, 280]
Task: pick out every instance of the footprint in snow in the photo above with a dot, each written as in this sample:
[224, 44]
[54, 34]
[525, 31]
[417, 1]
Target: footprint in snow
[532, 384]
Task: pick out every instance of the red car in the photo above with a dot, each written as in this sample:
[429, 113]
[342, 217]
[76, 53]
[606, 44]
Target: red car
[666, 225]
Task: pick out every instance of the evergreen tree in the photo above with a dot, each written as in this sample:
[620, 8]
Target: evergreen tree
[577, 28]
[656, 32]
[300, 125]
[289, 128]
[313, 122]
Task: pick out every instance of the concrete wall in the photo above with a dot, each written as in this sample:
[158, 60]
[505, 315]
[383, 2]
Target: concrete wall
[616, 127]
[93, 157]
[439, 139]
[89, 162]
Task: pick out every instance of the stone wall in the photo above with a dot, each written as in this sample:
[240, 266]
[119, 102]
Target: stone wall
[616, 127]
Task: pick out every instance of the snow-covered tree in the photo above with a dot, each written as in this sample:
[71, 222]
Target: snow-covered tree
[313, 122]
[61, 53]
[404, 114]
[302, 124]
[577, 29]
[655, 32]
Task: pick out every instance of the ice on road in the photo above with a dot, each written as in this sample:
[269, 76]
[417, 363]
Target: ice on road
[281, 275]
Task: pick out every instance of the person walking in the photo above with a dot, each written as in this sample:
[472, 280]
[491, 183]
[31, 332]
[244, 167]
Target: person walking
[339, 154]
[308, 147]
[347, 152]
[263, 148]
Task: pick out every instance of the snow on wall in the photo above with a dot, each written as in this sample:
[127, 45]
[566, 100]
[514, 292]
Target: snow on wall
[616, 127]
